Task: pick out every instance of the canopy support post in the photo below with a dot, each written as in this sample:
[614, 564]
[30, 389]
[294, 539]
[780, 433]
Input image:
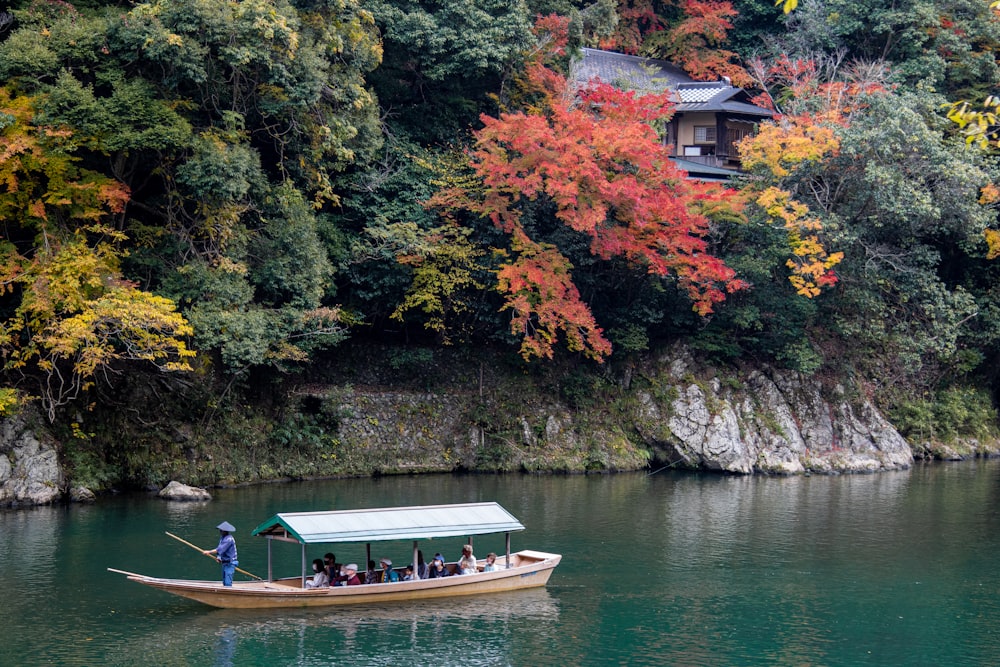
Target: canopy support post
[303, 565]
[270, 577]
[416, 565]
[507, 540]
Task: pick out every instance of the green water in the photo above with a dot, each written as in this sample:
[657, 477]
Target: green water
[668, 569]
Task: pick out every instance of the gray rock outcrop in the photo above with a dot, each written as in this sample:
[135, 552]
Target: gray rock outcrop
[770, 422]
[673, 410]
[29, 467]
[182, 492]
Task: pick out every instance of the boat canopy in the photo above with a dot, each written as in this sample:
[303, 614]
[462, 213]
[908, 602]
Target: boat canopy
[393, 523]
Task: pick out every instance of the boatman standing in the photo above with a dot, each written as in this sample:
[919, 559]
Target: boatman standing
[225, 553]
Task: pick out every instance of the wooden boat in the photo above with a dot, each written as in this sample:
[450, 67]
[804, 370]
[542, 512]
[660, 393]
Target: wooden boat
[523, 569]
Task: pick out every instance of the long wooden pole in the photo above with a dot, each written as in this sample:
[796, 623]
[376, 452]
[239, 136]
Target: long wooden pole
[202, 552]
[131, 574]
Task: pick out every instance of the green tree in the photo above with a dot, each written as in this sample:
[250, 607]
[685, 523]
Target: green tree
[946, 45]
[902, 202]
[231, 123]
[293, 83]
[444, 59]
[262, 303]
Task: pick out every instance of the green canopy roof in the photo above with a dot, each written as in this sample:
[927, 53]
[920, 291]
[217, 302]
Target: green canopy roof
[393, 523]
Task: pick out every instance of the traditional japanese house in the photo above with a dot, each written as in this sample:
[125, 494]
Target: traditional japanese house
[710, 116]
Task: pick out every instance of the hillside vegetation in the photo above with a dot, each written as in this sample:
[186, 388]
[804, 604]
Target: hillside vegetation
[210, 206]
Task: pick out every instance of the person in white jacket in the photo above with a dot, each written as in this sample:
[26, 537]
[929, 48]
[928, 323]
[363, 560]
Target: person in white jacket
[467, 563]
[320, 578]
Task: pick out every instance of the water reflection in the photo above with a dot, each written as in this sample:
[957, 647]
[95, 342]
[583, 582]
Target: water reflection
[721, 519]
[28, 547]
[225, 648]
[471, 630]
[767, 552]
[665, 569]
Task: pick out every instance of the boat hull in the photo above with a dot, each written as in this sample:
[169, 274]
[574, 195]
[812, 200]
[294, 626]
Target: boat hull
[531, 569]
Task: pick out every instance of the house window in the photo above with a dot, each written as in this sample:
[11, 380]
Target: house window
[704, 134]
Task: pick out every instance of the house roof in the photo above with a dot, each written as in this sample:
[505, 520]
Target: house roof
[644, 75]
[717, 96]
[703, 172]
[704, 91]
[649, 75]
[393, 523]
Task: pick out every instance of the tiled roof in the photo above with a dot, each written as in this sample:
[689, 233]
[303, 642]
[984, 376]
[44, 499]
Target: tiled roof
[630, 72]
[703, 91]
[726, 106]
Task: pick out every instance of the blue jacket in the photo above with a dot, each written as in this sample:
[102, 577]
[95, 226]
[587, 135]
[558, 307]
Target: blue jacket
[226, 551]
[434, 574]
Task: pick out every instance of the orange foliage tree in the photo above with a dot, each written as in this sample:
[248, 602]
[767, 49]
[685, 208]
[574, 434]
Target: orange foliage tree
[697, 41]
[636, 19]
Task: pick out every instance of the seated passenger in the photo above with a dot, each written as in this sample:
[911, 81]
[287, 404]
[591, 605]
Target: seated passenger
[332, 567]
[408, 573]
[437, 568]
[421, 570]
[350, 576]
[388, 574]
[491, 562]
[371, 576]
[319, 578]
[467, 563]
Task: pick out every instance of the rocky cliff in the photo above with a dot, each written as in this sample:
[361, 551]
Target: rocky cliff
[668, 411]
[772, 422]
[759, 421]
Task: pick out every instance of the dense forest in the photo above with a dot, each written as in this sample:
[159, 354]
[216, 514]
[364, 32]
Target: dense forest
[214, 196]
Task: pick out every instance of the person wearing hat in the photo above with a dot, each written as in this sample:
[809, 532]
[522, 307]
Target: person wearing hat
[225, 553]
[388, 574]
[437, 568]
[351, 575]
[348, 577]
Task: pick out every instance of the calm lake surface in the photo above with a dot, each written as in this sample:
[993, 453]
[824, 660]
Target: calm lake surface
[667, 569]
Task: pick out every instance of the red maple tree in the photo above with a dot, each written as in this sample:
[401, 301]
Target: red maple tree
[598, 160]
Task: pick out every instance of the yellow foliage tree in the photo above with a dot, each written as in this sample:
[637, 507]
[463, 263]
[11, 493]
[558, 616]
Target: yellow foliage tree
[444, 264]
[72, 315]
[981, 128]
[811, 264]
[777, 150]
[780, 147]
